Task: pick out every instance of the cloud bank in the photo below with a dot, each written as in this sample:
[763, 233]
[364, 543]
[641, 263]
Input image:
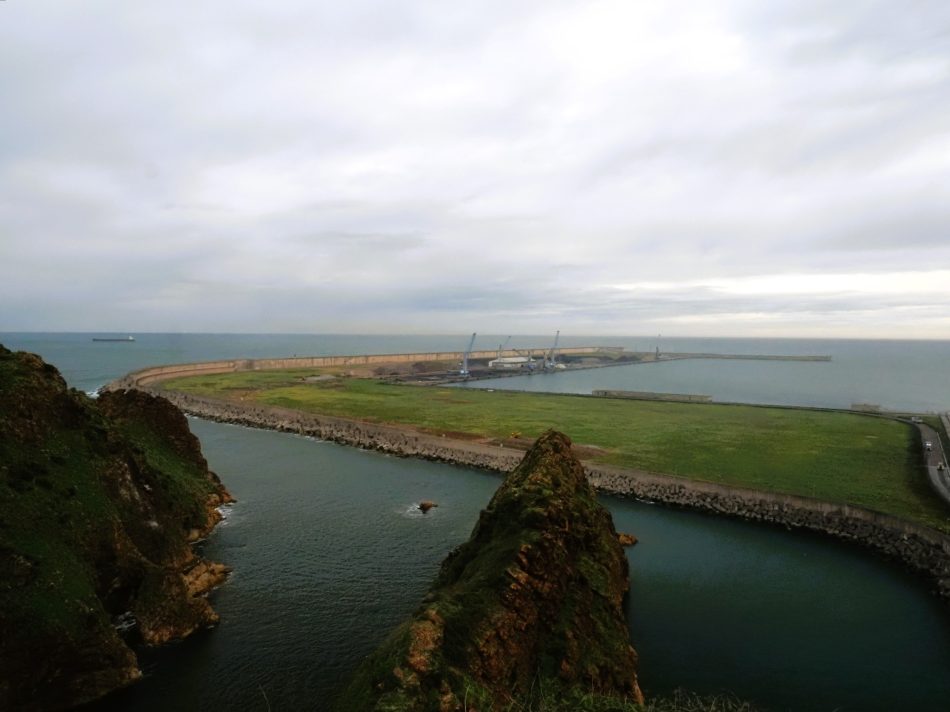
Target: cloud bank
[599, 167]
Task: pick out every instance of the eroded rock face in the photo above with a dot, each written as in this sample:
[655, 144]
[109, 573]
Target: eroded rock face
[626, 539]
[98, 503]
[534, 597]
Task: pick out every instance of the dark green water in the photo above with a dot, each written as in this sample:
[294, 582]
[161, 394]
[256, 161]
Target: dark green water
[328, 556]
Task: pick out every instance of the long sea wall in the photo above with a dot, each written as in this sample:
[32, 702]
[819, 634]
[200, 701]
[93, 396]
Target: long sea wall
[154, 374]
[922, 549]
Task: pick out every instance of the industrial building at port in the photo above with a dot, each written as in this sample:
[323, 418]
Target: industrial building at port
[512, 363]
[523, 362]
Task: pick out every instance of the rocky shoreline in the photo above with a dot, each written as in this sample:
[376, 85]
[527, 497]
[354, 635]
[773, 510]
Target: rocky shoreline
[924, 550]
[100, 503]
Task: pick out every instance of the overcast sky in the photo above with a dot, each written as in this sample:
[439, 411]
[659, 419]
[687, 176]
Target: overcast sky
[685, 167]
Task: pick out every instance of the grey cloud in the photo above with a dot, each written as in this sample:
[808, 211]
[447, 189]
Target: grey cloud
[363, 241]
[420, 165]
[927, 232]
[877, 29]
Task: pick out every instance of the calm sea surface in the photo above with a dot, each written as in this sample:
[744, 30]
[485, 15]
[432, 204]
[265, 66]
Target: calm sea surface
[911, 375]
[329, 555]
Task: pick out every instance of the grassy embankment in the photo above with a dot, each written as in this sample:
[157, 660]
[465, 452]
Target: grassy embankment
[839, 457]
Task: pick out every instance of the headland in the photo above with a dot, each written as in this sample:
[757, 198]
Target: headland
[100, 503]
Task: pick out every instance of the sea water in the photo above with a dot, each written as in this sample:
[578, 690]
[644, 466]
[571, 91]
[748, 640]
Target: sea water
[911, 375]
[329, 554]
[897, 375]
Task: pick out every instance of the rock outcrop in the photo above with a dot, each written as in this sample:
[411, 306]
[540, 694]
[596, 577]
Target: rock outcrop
[533, 600]
[626, 539]
[99, 501]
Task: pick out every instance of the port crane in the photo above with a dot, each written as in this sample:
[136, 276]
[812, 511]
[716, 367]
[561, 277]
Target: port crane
[464, 371]
[549, 362]
[501, 347]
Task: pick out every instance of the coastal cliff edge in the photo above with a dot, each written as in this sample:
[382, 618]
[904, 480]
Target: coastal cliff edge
[100, 502]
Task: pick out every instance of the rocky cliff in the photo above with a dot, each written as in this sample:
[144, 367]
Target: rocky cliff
[532, 600]
[99, 503]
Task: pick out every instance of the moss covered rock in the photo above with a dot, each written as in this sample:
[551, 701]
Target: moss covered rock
[99, 501]
[533, 600]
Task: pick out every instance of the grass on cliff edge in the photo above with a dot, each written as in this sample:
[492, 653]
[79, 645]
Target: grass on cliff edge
[838, 457]
[554, 699]
[56, 514]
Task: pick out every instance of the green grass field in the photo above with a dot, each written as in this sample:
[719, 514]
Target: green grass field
[841, 457]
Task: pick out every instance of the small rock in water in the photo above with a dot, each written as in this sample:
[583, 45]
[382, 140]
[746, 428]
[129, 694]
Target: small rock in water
[626, 539]
[425, 505]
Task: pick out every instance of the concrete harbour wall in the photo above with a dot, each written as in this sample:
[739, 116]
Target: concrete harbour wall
[154, 374]
[646, 395]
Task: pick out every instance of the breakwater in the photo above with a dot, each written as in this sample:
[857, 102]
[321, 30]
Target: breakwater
[922, 549]
[154, 374]
[611, 355]
[668, 356]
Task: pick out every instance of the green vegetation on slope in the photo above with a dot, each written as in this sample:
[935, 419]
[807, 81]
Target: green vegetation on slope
[534, 597]
[839, 457]
[97, 500]
[553, 698]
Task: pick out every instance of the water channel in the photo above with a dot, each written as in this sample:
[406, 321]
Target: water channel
[329, 555]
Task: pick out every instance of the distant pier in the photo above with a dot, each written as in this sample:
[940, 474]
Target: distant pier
[437, 367]
[741, 357]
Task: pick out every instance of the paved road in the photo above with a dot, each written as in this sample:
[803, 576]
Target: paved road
[939, 479]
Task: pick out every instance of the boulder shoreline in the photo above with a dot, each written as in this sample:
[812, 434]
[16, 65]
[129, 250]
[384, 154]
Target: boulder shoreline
[923, 550]
[100, 503]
